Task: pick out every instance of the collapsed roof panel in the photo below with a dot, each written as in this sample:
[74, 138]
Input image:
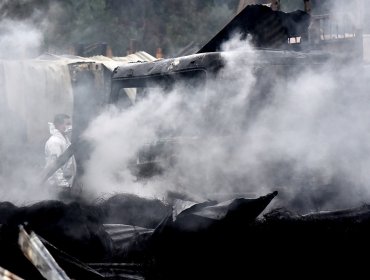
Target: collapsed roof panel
[267, 28]
[212, 62]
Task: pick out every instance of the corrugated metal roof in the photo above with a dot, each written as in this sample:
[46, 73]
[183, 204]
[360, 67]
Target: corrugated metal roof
[122, 235]
[110, 63]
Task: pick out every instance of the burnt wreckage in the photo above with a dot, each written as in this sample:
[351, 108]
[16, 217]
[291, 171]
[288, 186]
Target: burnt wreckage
[206, 240]
[127, 237]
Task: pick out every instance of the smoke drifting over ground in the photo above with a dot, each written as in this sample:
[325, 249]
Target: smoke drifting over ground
[308, 137]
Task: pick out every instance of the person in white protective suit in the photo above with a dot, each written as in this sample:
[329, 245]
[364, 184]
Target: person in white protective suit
[54, 147]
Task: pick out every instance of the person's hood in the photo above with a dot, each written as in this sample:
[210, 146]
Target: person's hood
[52, 129]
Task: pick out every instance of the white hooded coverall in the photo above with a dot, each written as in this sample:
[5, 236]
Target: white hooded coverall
[54, 147]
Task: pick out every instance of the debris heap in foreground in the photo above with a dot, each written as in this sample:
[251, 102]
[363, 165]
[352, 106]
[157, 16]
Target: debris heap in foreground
[213, 239]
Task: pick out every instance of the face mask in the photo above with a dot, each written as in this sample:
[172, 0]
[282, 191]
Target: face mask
[68, 129]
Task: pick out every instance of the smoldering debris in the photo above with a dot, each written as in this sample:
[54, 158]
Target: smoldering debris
[208, 240]
[302, 129]
[133, 210]
[259, 125]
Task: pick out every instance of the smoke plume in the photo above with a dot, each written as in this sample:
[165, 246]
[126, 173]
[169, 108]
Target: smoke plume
[19, 39]
[31, 92]
[305, 134]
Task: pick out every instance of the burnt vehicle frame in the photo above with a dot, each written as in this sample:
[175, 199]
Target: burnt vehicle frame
[95, 86]
[270, 67]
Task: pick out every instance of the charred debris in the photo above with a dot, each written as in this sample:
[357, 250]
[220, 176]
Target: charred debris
[212, 239]
[128, 237]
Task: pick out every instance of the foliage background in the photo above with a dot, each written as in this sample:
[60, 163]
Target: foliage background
[170, 25]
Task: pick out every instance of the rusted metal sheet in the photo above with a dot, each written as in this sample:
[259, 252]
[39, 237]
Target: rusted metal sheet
[39, 256]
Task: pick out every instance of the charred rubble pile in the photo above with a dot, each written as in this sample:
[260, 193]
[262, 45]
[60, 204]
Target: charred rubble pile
[128, 237]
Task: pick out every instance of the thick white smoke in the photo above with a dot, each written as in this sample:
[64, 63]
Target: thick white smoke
[31, 92]
[19, 39]
[349, 12]
[308, 137]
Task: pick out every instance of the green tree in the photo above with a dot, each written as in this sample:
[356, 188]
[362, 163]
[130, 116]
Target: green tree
[169, 24]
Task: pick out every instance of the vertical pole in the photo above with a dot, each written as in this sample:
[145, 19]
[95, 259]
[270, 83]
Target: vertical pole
[159, 53]
[307, 6]
[275, 5]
